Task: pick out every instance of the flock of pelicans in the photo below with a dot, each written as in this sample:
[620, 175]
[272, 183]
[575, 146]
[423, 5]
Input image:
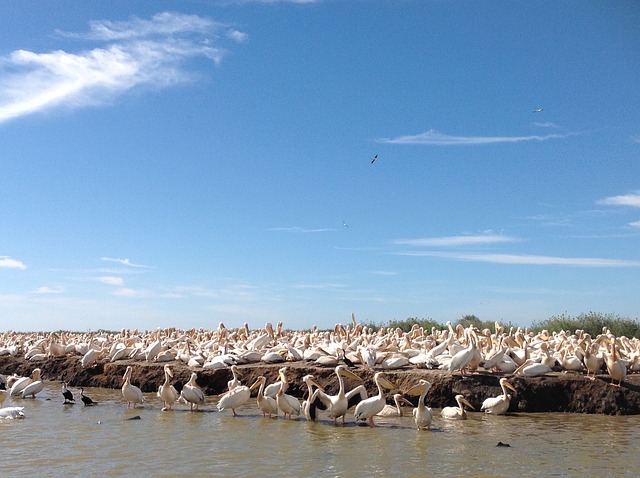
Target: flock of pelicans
[455, 349]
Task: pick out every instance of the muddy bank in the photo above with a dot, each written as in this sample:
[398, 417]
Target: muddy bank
[556, 392]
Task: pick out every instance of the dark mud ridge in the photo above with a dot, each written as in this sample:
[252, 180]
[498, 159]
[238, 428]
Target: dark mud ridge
[555, 392]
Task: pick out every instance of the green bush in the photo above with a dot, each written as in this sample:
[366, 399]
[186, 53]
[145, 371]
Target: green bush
[592, 323]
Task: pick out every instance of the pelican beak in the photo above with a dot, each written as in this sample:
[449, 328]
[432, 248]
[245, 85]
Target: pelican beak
[255, 385]
[510, 387]
[465, 402]
[387, 383]
[169, 372]
[405, 401]
[415, 391]
[349, 374]
[316, 384]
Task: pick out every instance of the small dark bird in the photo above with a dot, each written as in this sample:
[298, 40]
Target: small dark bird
[86, 400]
[374, 159]
[346, 361]
[68, 396]
[503, 444]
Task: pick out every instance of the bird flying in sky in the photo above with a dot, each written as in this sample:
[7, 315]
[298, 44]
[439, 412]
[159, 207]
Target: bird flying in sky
[374, 159]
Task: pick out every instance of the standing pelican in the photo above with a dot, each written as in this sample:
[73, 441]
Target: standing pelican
[192, 393]
[35, 386]
[394, 410]
[421, 414]
[287, 403]
[337, 405]
[617, 368]
[370, 407]
[500, 404]
[235, 381]
[236, 397]
[66, 393]
[457, 413]
[308, 407]
[462, 359]
[167, 392]
[266, 404]
[86, 400]
[131, 393]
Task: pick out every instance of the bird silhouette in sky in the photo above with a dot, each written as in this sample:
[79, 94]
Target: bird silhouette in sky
[374, 159]
[345, 224]
[538, 110]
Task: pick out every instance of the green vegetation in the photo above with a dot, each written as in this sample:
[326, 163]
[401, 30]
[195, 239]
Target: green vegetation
[591, 323]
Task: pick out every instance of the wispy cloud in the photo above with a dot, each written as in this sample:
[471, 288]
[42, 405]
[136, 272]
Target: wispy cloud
[124, 262]
[635, 224]
[463, 240]
[632, 200]
[299, 229]
[432, 137]
[7, 262]
[48, 290]
[135, 53]
[111, 280]
[524, 259]
[132, 293]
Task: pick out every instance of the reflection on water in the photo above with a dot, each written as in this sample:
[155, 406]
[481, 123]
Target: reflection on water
[73, 440]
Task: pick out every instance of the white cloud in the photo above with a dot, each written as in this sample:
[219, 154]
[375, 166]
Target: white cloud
[439, 139]
[124, 262]
[111, 280]
[299, 229]
[635, 224]
[237, 36]
[525, 259]
[48, 290]
[7, 263]
[133, 293]
[463, 240]
[141, 52]
[632, 200]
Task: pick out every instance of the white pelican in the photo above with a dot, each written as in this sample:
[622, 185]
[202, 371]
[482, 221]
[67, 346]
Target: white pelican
[500, 404]
[421, 414]
[86, 400]
[308, 409]
[370, 407]
[266, 404]
[35, 386]
[617, 368]
[131, 393]
[167, 392]
[236, 397]
[235, 381]
[192, 393]
[91, 357]
[19, 384]
[457, 413]
[66, 393]
[394, 410]
[592, 361]
[287, 403]
[9, 412]
[531, 368]
[337, 405]
[463, 358]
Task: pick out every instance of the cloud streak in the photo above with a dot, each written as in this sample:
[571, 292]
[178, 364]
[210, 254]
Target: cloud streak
[432, 137]
[462, 240]
[137, 53]
[124, 262]
[524, 259]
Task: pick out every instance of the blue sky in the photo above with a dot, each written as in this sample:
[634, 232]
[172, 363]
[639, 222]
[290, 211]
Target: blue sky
[195, 162]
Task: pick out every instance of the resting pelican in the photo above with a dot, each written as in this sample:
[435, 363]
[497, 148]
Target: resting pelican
[457, 413]
[266, 404]
[337, 405]
[192, 393]
[86, 400]
[531, 368]
[394, 410]
[236, 397]
[287, 403]
[9, 412]
[66, 393]
[19, 385]
[131, 393]
[35, 386]
[500, 404]
[167, 392]
[421, 414]
[370, 407]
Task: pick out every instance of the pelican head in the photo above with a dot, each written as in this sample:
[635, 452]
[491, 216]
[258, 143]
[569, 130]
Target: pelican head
[381, 379]
[505, 384]
[167, 371]
[346, 373]
[422, 387]
[463, 401]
